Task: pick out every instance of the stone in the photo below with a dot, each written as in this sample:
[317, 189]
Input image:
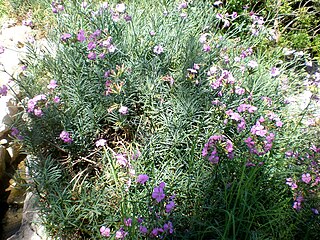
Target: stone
[8, 110]
[31, 227]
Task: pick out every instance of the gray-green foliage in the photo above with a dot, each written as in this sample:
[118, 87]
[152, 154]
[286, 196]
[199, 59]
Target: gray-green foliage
[82, 187]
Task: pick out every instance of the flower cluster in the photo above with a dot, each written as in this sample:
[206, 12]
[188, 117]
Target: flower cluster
[261, 140]
[154, 223]
[305, 187]
[215, 144]
[98, 43]
[38, 102]
[57, 7]
[35, 104]
[257, 25]
[225, 79]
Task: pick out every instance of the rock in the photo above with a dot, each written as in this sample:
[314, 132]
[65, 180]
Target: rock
[5, 160]
[31, 228]
[8, 110]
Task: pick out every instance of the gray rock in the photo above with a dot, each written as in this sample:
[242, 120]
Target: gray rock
[31, 227]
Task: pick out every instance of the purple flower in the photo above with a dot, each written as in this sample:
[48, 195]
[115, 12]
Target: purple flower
[65, 36]
[52, 85]
[258, 130]
[104, 231]
[65, 136]
[158, 49]
[206, 48]
[156, 231]
[170, 206]
[158, 194]
[168, 227]
[127, 17]
[136, 155]
[81, 35]
[92, 56]
[182, 5]
[143, 229]
[142, 178]
[4, 90]
[306, 178]
[127, 222]
[274, 72]
[123, 110]
[101, 142]
[279, 123]
[91, 46]
[14, 131]
[95, 34]
[107, 74]
[315, 211]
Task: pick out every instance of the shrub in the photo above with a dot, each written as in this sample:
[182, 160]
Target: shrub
[166, 123]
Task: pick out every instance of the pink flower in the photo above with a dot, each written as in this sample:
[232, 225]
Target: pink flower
[274, 72]
[56, 99]
[182, 5]
[38, 112]
[101, 142]
[158, 49]
[142, 178]
[121, 234]
[65, 37]
[104, 231]
[84, 4]
[252, 64]
[279, 123]
[121, 160]
[52, 85]
[123, 110]
[65, 136]
[206, 48]
[306, 178]
[152, 33]
[92, 56]
[203, 38]
[239, 90]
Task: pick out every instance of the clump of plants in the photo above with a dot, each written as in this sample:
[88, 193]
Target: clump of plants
[166, 123]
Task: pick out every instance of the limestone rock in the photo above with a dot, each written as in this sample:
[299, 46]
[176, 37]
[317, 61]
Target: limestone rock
[8, 110]
[31, 227]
